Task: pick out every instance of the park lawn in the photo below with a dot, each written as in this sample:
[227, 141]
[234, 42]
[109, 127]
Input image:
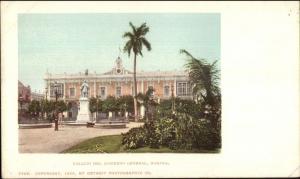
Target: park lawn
[112, 144]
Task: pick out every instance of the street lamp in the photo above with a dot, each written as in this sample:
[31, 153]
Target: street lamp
[56, 112]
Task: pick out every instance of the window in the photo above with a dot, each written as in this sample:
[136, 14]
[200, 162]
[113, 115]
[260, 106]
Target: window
[72, 92]
[60, 89]
[102, 92]
[183, 89]
[167, 91]
[118, 91]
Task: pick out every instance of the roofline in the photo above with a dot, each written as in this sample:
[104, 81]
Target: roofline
[147, 74]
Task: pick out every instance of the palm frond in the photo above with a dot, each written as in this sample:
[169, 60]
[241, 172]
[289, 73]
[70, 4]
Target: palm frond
[186, 53]
[146, 43]
[140, 52]
[203, 76]
[143, 30]
[128, 34]
[139, 47]
[133, 27]
[136, 39]
[128, 47]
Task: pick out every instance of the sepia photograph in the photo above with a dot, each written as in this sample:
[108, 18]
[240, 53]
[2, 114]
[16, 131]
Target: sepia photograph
[109, 83]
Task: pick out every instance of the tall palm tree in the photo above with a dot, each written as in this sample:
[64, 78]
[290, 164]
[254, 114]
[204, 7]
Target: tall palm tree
[204, 78]
[135, 43]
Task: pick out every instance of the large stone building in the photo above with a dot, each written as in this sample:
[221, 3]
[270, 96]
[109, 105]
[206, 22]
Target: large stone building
[24, 95]
[117, 82]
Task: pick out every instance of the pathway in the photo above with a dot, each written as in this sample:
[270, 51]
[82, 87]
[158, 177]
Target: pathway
[46, 140]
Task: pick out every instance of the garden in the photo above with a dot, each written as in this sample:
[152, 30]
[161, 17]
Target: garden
[174, 124]
[171, 125]
[41, 111]
[185, 129]
[44, 110]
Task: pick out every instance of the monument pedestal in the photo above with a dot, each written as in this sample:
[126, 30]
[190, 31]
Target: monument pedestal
[84, 114]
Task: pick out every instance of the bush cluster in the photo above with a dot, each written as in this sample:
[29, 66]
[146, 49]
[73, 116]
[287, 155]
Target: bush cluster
[181, 131]
[111, 103]
[134, 138]
[189, 107]
[187, 126]
[146, 135]
[39, 108]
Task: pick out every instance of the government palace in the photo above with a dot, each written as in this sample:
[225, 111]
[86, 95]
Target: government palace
[118, 82]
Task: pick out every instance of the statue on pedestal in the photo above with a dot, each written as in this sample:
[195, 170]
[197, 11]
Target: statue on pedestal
[84, 112]
[84, 89]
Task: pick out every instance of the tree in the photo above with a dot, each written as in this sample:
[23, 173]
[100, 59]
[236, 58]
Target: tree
[110, 104]
[61, 106]
[93, 105]
[135, 43]
[125, 103]
[44, 107]
[34, 108]
[204, 78]
[47, 107]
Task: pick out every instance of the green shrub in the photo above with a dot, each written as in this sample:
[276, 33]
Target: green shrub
[167, 130]
[141, 136]
[152, 135]
[206, 136]
[189, 107]
[181, 131]
[185, 132]
[186, 106]
[134, 138]
[173, 144]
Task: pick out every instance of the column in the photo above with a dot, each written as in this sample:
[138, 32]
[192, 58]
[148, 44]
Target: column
[64, 97]
[142, 86]
[49, 90]
[95, 88]
[79, 84]
[175, 88]
[46, 86]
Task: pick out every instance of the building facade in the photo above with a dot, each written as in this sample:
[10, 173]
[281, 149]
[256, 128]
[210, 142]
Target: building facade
[118, 82]
[37, 96]
[24, 95]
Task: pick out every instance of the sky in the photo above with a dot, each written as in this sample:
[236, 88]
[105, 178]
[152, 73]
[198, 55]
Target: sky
[72, 43]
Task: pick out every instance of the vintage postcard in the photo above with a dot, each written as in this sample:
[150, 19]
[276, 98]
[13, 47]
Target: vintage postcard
[145, 92]
[149, 89]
